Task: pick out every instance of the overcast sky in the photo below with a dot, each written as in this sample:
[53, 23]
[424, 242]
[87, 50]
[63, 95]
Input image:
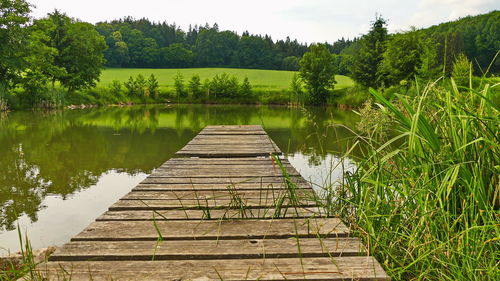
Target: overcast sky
[306, 20]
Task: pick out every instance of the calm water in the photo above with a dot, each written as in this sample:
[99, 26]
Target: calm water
[60, 170]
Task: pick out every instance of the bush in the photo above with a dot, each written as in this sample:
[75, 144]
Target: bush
[224, 86]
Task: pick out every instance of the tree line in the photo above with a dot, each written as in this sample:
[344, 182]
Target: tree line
[140, 43]
[219, 88]
[384, 59]
[57, 49]
[463, 48]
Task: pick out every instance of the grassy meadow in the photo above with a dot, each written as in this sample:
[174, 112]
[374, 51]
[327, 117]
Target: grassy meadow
[259, 78]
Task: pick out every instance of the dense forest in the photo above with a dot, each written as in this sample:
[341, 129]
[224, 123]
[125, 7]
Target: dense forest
[142, 43]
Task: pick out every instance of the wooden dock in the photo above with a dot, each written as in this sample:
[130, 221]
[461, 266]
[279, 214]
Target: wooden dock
[230, 207]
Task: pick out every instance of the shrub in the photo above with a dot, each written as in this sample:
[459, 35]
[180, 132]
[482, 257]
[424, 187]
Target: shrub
[153, 86]
[194, 87]
[179, 85]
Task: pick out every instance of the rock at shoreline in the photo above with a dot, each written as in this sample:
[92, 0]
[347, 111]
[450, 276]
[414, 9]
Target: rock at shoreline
[15, 260]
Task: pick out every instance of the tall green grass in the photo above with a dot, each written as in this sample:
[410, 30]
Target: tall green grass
[24, 267]
[426, 200]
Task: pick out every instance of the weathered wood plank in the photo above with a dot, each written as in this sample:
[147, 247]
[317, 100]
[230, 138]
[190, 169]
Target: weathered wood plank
[245, 164]
[214, 186]
[213, 214]
[224, 154]
[225, 141]
[224, 161]
[235, 167]
[231, 132]
[217, 172]
[222, 180]
[335, 268]
[264, 194]
[212, 230]
[229, 147]
[233, 127]
[213, 203]
[208, 249]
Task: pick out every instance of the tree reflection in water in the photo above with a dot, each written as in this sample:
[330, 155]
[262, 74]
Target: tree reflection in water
[63, 152]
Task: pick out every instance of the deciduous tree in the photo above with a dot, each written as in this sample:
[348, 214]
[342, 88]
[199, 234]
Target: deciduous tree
[79, 50]
[318, 73]
[402, 58]
[14, 16]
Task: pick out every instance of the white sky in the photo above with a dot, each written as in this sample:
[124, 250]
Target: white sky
[305, 20]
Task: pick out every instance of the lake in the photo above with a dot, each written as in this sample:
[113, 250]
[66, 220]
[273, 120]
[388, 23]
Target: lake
[59, 170]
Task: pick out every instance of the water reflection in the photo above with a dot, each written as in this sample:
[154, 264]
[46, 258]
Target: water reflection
[64, 152]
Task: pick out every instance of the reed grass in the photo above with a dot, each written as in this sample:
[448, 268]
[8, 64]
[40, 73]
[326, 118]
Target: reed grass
[426, 201]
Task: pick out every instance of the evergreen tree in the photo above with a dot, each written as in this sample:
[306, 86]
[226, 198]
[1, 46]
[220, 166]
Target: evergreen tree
[140, 83]
[153, 86]
[461, 72]
[245, 88]
[179, 85]
[131, 86]
[194, 86]
[366, 68]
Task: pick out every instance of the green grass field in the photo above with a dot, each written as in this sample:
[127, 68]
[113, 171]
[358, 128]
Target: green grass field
[260, 79]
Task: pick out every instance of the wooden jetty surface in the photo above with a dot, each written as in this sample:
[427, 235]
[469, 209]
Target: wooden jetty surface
[234, 209]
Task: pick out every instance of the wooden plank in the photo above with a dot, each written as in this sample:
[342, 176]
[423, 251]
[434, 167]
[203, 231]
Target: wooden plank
[213, 186]
[200, 172]
[212, 230]
[222, 180]
[234, 127]
[230, 132]
[226, 140]
[213, 203]
[208, 249]
[251, 159]
[241, 138]
[335, 268]
[224, 154]
[224, 161]
[260, 167]
[199, 161]
[225, 194]
[213, 214]
[230, 141]
[235, 168]
[235, 130]
[230, 147]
